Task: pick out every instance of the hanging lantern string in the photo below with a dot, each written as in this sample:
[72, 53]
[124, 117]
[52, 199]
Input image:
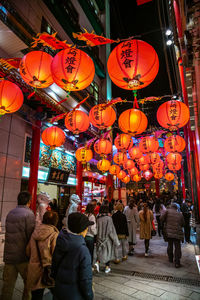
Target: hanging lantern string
[135, 102]
[63, 100]
[32, 94]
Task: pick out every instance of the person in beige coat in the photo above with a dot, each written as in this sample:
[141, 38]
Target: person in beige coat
[40, 250]
[146, 218]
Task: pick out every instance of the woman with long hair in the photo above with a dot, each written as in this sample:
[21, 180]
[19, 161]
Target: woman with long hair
[92, 230]
[158, 210]
[132, 217]
[146, 218]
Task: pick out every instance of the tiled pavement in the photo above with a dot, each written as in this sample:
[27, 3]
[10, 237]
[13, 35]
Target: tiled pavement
[117, 285]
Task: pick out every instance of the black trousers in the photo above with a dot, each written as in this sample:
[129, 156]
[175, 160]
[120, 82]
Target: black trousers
[174, 255]
[146, 243]
[159, 225]
[187, 228]
[38, 294]
[90, 244]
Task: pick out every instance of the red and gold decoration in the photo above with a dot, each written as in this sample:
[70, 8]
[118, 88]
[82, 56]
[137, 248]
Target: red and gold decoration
[147, 175]
[174, 158]
[114, 169]
[103, 146]
[122, 174]
[53, 137]
[129, 164]
[135, 153]
[92, 39]
[123, 141]
[35, 69]
[169, 176]
[174, 143]
[11, 97]
[173, 115]
[132, 121]
[102, 116]
[50, 41]
[126, 179]
[120, 158]
[72, 69]
[148, 144]
[84, 155]
[77, 121]
[133, 65]
[103, 165]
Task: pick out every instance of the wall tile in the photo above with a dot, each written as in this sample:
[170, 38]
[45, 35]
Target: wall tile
[7, 206]
[18, 126]
[5, 122]
[3, 140]
[11, 189]
[16, 146]
[14, 167]
[2, 164]
[1, 188]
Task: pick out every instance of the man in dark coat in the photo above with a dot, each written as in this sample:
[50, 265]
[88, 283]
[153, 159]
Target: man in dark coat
[71, 263]
[173, 222]
[20, 223]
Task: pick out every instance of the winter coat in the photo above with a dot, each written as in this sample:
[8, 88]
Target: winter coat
[45, 236]
[107, 239]
[120, 223]
[133, 222]
[71, 268]
[92, 230]
[146, 226]
[173, 222]
[20, 223]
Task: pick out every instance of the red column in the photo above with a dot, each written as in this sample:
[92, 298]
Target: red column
[183, 182]
[109, 187]
[79, 179]
[34, 163]
[92, 188]
[157, 183]
[119, 190]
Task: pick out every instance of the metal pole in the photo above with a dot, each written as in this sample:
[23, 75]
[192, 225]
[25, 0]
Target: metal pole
[108, 49]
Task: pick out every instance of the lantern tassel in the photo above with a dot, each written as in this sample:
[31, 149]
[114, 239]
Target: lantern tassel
[80, 103]
[135, 102]
[63, 100]
[31, 95]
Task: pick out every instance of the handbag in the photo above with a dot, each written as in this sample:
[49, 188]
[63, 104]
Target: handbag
[153, 231]
[46, 279]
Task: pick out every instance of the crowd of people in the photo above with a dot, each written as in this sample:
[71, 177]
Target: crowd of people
[64, 260]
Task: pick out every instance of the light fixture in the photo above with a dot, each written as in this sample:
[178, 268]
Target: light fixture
[168, 32]
[55, 123]
[67, 130]
[174, 97]
[169, 42]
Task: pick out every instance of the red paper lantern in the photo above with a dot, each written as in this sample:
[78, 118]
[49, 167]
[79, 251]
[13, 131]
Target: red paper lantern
[158, 175]
[174, 158]
[169, 176]
[148, 144]
[135, 153]
[103, 146]
[143, 160]
[126, 179]
[11, 97]
[121, 174]
[174, 167]
[133, 65]
[158, 165]
[129, 164]
[132, 121]
[101, 116]
[174, 143]
[84, 155]
[123, 141]
[136, 178]
[35, 69]
[133, 171]
[103, 165]
[77, 121]
[173, 114]
[53, 137]
[72, 69]
[144, 167]
[154, 157]
[120, 157]
[114, 169]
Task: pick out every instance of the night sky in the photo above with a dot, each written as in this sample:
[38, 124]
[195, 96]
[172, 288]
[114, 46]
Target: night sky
[128, 19]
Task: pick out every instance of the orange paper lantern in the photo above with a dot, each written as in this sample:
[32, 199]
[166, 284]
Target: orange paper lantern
[114, 169]
[132, 121]
[158, 175]
[84, 155]
[103, 146]
[136, 178]
[143, 160]
[154, 157]
[174, 143]
[144, 167]
[101, 116]
[11, 97]
[148, 144]
[72, 69]
[77, 121]
[135, 153]
[35, 69]
[133, 171]
[120, 157]
[103, 165]
[123, 141]
[126, 179]
[169, 176]
[133, 64]
[121, 174]
[174, 158]
[53, 137]
[173, 114]
[129, 164]
[174, 167]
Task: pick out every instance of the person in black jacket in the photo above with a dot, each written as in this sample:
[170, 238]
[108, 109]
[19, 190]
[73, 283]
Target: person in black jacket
[71, 263]
[120, 223]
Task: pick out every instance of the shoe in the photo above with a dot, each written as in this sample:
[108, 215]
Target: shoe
[131, 252]
[124, 258]
[146, 254]
[171, 260]
[116, 261]
[96, 266]
[177, 265]
[107, 269]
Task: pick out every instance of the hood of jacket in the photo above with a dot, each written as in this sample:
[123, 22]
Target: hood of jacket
[68, 241]
[43, 231]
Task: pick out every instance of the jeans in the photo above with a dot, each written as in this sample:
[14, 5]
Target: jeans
[10, 274]
[146, 243]
[159, 225]
[90, 244]
[123, 243]
[177, 245]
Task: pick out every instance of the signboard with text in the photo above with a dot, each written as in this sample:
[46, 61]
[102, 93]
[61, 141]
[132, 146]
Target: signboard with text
[58, 176]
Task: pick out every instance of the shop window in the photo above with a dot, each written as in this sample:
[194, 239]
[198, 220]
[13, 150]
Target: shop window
[46, 27]
[94, 91]
[71, 12]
